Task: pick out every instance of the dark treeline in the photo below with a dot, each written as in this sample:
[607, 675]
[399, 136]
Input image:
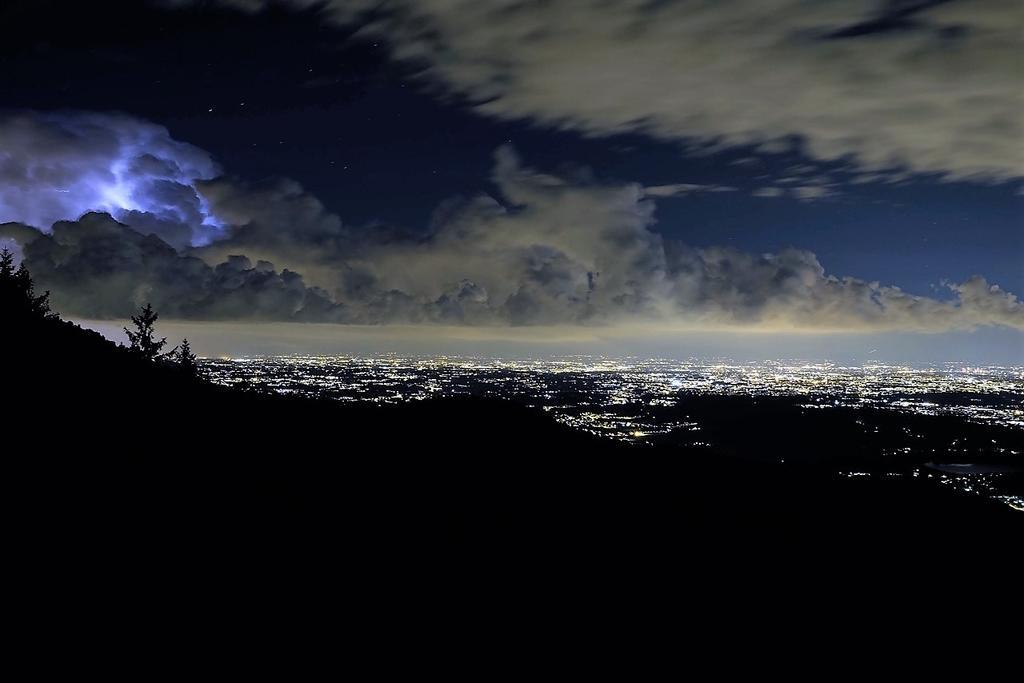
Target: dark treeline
[125, 454]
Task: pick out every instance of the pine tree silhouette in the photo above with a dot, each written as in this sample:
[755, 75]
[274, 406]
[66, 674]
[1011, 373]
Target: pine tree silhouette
[17, 290]
[142, 339]
[187, 359]
[38, 306]
[6, 264]
[8, 289]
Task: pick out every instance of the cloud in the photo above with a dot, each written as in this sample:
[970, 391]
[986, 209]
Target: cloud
[810, 193]
[274, 219]
[98, 268]
[547, 250]
[543, 250]
[59, 165]
[929, 87]
[682, 189]
[791, 290]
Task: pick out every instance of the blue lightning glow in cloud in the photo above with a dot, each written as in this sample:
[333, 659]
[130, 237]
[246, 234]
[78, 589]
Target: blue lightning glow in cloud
[58, 166]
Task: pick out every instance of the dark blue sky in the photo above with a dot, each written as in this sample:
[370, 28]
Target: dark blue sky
[882, 142]
[293, 97]
[912, 234]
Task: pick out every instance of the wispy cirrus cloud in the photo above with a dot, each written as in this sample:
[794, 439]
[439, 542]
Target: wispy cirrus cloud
[892, 87]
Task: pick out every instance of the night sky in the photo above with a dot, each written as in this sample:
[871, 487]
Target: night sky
[764, 166]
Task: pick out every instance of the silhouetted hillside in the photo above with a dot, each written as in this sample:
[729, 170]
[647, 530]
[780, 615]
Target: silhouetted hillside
[115, 459]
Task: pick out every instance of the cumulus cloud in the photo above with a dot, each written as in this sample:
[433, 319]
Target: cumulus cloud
[552, 251]
[926, 87]
[791, 290]
[543, 250]
[96, 267]
[59, 165]
[275, 219]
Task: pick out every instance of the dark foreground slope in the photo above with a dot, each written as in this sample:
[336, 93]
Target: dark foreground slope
[135, 490]
[114, 433]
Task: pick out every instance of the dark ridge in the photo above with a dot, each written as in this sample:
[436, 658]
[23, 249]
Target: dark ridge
[125, 474]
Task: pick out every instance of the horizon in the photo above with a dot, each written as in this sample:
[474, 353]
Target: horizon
[363, 308]
[832, 178]
[235, 340]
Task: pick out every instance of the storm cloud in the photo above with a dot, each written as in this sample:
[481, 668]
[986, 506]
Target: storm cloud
[59, 165]
[540, 250]
[98, 268]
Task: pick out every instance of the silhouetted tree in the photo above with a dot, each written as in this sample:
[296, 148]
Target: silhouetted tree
[17, 290]
[187, 359]
[143, 340]
[8, 289]
[38, 306]
[6, 264]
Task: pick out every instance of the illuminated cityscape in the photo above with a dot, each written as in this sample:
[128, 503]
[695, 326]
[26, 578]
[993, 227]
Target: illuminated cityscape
[587, 391]
[635, 400]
